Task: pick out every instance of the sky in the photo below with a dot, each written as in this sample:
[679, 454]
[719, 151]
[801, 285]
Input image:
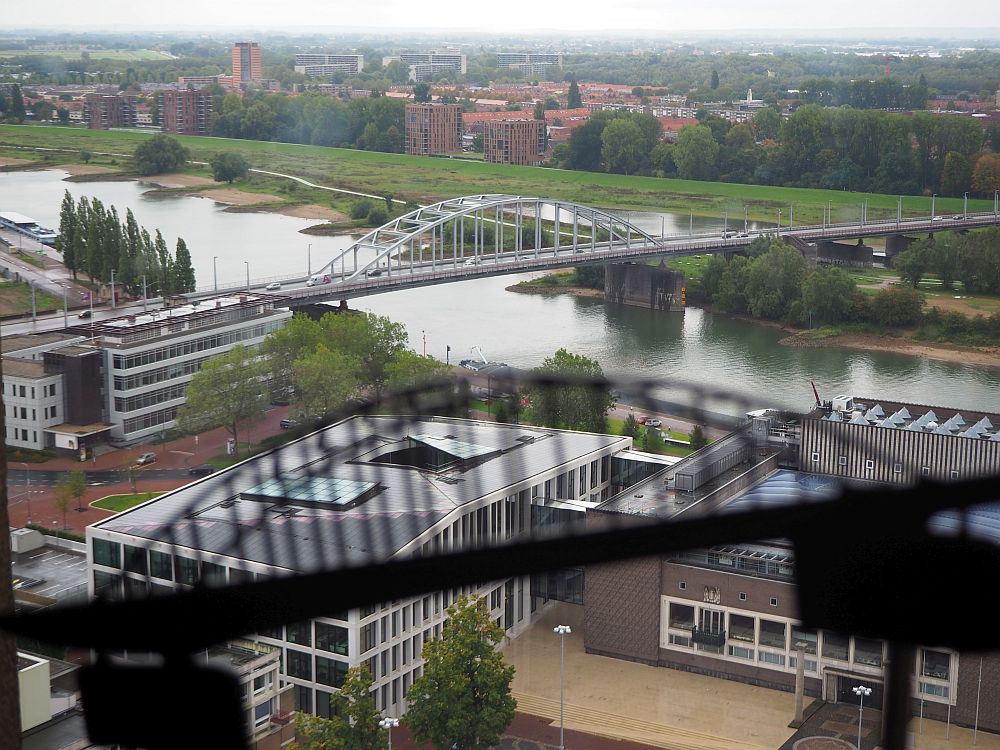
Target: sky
[885, 18]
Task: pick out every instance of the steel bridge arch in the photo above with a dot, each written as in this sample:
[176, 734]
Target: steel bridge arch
[428, 222]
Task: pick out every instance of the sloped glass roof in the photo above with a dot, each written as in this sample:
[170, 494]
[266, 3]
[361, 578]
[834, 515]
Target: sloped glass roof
[451, 446]
[320, 490]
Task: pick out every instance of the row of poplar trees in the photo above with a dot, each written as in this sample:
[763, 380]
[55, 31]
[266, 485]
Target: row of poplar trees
[95, 241]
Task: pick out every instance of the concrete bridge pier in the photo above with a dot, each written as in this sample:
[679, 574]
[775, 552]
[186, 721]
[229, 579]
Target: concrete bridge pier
[840, 254]
[639, 285]
[895, 244]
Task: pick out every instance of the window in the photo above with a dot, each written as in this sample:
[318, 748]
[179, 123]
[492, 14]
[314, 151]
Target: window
[594, 468]
[741, 628]
[769, 658]
[299, 633]
[583, 481]
[304, 698]
[240, 576]
[323, 708]
[842, 460]
[772, 634]
[368, 637]
[809, 665]
[135, 559]
[213, 574]
[108, 554]
[815, 457]
[935, 664]
[805, 638]
[681, 616]
[107, 585]
[679, 640]
[21, 391]
[298, 664]
[743, 596]
[261, 683]
[160, 565]
[867, 651]
[741, 653]
[925, 471]
[330, 671]
[835, 646]
[869, 464]
[930, 689]
[682, 585]
[332, 638]
[774, 601]
[897, 468]
[954, 474]
[185, 570]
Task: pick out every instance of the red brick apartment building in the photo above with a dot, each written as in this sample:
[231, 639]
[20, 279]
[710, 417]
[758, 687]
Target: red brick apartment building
[514, 142]
[433, 128]
[104, 111]
[188, 112]
[247, 66]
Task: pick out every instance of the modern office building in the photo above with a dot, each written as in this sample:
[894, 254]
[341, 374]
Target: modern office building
[433, 128]
[530, 63]
[188, 112]
[365, 489]
[731, 611]
[247, 67]
[103, 111]
[514, 141]
[426, 66]
[320, 65]
[149, 358]
[201, 82]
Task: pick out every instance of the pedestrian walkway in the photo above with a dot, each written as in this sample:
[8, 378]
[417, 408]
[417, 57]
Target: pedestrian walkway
[667, 708]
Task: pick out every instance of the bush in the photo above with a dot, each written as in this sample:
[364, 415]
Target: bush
[377, 216]
[361, 209]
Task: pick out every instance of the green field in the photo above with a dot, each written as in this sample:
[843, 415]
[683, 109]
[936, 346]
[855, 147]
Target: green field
[425, 179]
[124, 55]
[118, 503]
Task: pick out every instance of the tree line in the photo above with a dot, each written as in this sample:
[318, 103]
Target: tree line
[972, 258]
[816, 147]
[94, 240]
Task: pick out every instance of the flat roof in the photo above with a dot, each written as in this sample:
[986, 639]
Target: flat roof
[939, 420]
[15, 218]
[210, 515]
[10, 344]
[24, 368]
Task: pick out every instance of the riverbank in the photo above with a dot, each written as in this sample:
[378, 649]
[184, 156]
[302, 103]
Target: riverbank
[804, 339]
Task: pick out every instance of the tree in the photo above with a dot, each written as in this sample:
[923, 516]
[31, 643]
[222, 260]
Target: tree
[184, 280]
[826, 295]
[374, 340]
[63, 499]
[462, 701]
[630, 428]
[16, 110]
[409, 369]
[68, 227]
[986, 175]
[775, 281]
[697, 438]
[715, 80]
[228, 391]
[898, 306]
[228, 166]
[956, 175]
[573, 99]
[159, 154]
[422, 93]
[77, 483]
[914, 262]
[621, 146]
[354, 720]
[695, 153]
[324, 380]
[573, 407]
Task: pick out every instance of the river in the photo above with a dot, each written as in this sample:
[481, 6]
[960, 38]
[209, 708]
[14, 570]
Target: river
[711, 351]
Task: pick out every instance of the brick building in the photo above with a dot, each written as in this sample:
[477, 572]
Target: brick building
[433, 128]
[102, 111]
[514, 142]
[188, 112]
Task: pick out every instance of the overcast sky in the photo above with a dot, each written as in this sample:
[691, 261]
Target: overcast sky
[881, 18]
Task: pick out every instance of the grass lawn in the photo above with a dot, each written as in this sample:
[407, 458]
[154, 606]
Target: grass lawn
[124, 55]
[15, 298]
[426, 179]
[118, 503]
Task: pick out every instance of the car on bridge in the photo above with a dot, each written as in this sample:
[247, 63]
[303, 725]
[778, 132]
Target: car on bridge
[473, 261]
[272, 287]
[373, 272]
[84, 314]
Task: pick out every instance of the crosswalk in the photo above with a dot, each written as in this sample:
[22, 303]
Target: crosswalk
[602, 723]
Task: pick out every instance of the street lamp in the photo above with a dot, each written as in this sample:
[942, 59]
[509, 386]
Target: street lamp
[562, 631]
[27, 471]
[779, 221]
[309, 268]
[113, 295]
[861, 691]
[965, 205]
[387, 724]
[932, 206]
[247, 264]
[215, 273]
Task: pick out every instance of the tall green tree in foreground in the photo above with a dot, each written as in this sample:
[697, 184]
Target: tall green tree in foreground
[462, 701]
[573, 407]
[573, 99]
[354, 721]
[228, 391]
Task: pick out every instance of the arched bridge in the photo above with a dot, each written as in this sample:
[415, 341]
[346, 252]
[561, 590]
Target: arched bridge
[490, 235]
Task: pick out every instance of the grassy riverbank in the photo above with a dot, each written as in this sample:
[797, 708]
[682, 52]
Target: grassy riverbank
[425, 179]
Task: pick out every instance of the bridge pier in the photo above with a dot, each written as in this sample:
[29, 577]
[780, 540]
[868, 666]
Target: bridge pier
[639, 285]
[895, 244]
[839, 254]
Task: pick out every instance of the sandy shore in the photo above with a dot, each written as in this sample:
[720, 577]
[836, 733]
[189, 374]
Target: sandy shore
[77, 170]
[315, 211]
[986, 356]
[551, 291]
[5, 162]
[177, 180]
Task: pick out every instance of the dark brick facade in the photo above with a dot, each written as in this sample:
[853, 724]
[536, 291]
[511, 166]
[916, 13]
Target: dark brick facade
[622, 616]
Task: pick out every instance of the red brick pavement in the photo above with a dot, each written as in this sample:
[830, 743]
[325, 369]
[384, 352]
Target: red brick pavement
[177, 454]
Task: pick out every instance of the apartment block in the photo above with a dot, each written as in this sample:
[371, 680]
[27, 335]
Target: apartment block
[530, 63]
[514, 142]
[247, 66]
[433, 128]
[188, 112]
[426, 66]
[103, 111]
[322, 65]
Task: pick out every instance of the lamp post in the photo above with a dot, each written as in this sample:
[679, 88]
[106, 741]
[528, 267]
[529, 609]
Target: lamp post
[387, 724]
[861, 691]
[215, 273]
[965, 205]
[113, 295]
[27, 472]
[247, 264]
[779, 221]
[932, 205]
[309, 266]
[562, 631]
[746, 221]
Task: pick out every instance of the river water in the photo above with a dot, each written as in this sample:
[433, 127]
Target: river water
[711, 351]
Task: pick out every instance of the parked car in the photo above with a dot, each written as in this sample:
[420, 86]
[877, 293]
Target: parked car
[202, 470]
[641, 420]
[272, 287]
[287, 424]
[84, 314]
[653, 422]
[146, 458]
